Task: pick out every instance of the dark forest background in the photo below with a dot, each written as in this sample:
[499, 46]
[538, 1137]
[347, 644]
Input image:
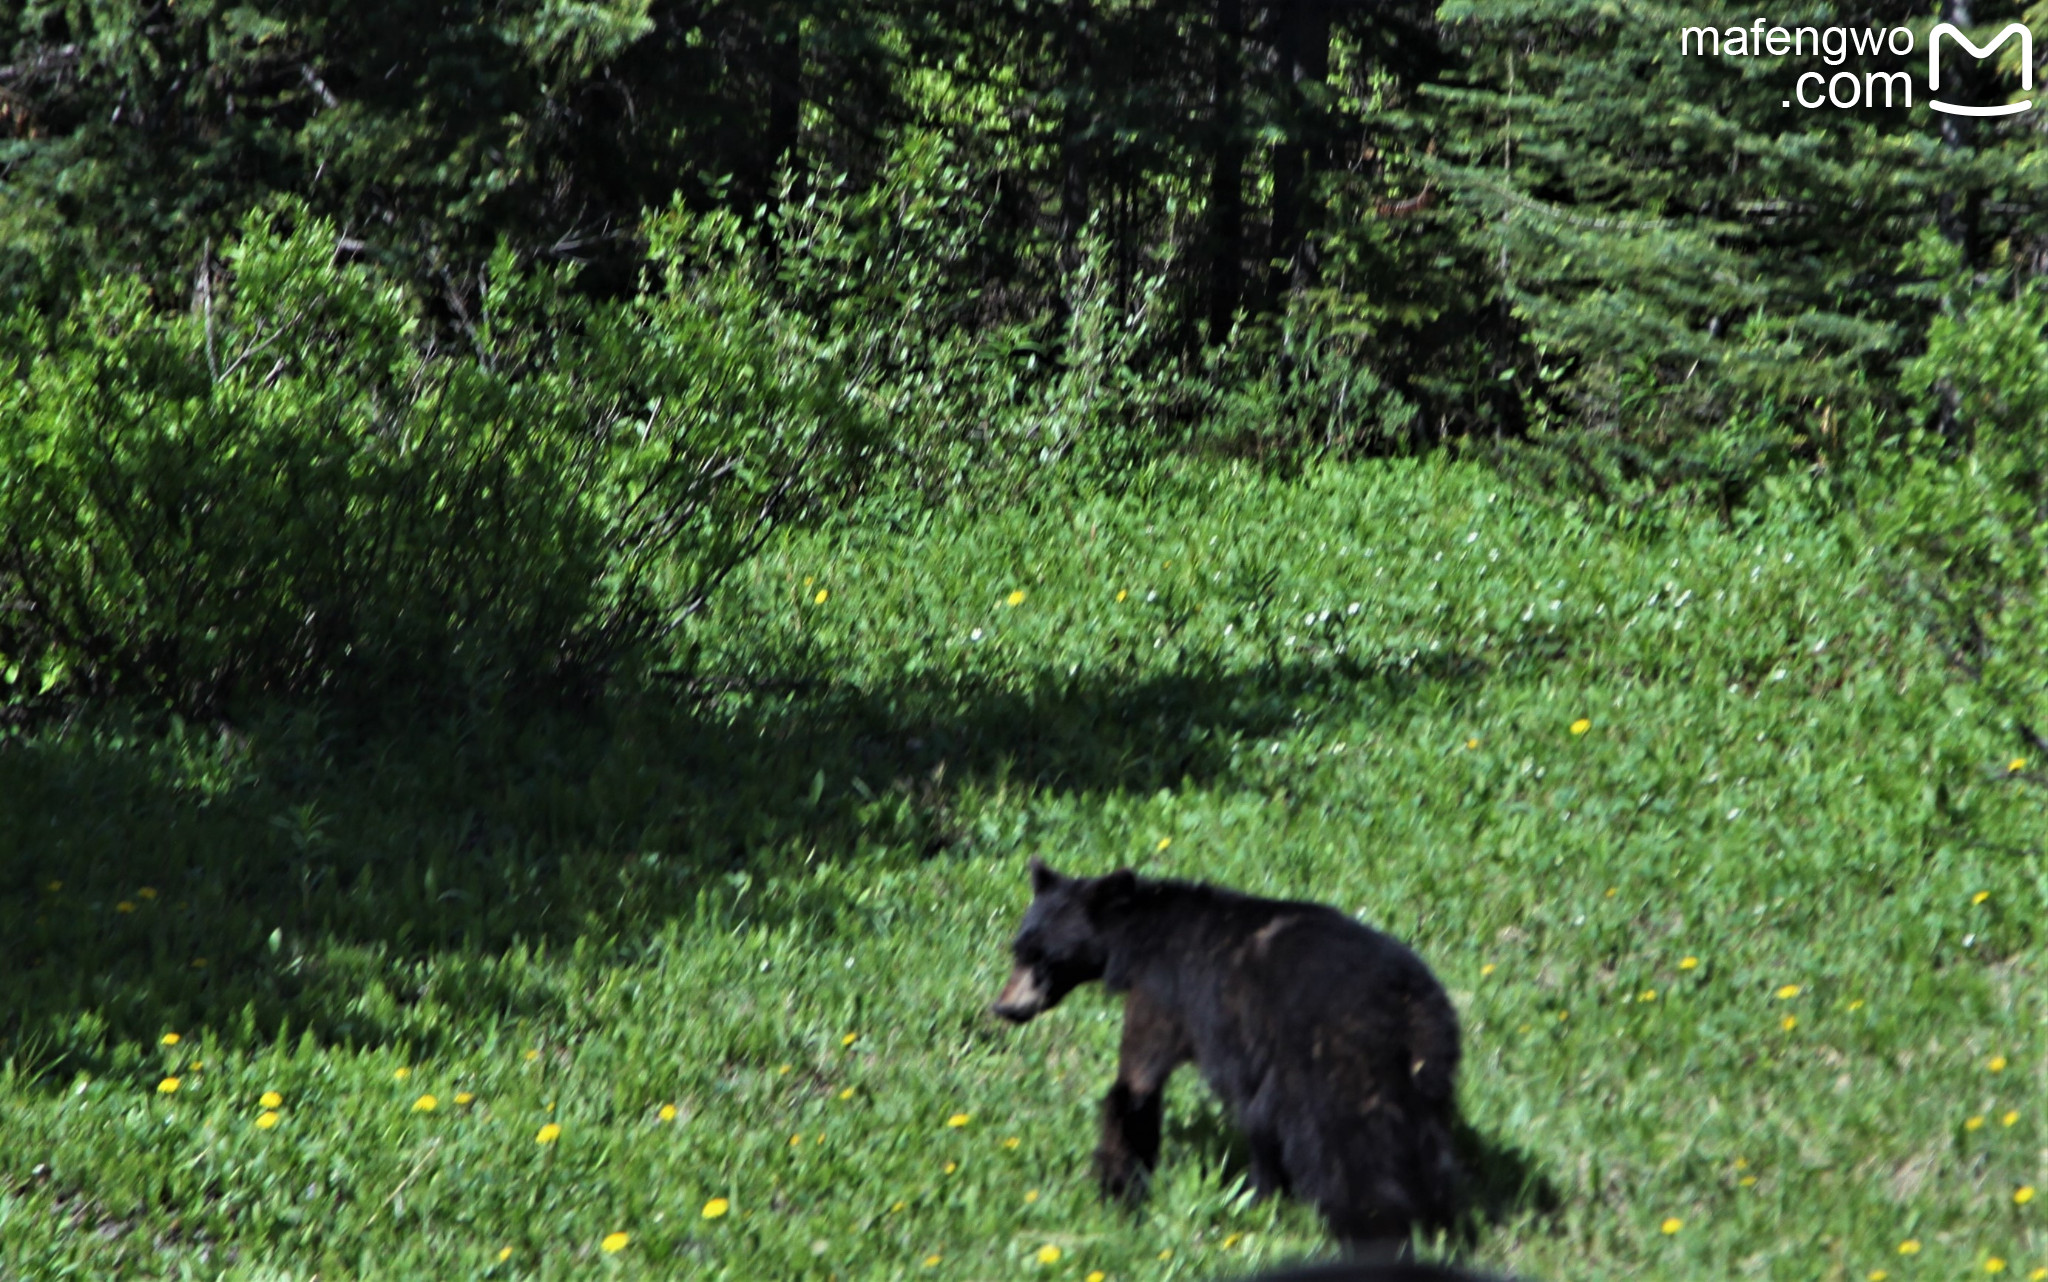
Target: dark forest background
[399, 347]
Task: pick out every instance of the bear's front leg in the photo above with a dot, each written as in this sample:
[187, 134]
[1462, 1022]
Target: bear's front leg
[1153, 1046]
[1130, 1143]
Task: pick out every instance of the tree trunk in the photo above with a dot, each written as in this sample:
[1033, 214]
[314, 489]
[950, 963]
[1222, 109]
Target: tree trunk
[785, 96]
[1957, 216]
[1226, 174]
[1074, 149]
[1301, 39]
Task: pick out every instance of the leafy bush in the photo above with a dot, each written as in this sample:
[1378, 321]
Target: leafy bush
[1305, 384]
[1966, 512]
[299, 484]
[983, 387]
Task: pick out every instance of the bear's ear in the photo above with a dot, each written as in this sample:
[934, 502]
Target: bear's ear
[1114, 888]
[1043, 878]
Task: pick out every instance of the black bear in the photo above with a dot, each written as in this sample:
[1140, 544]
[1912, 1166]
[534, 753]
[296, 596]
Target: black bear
[1391, 1271]
[1332, 1044]
[1394, 1271]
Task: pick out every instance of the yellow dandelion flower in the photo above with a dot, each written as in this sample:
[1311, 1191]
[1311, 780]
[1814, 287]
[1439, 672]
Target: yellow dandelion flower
[1741, 1163]
[1747, 1181]
[465, 1098]
[532, 1055]
[146, 892]
[1974, 1122]
[1487, 969]
[270, 1099]
[667, 1112]
[1996, 1063]
[716, 1207]
[1994, 1265]
[897, 1206]
[1231, 1240]
[931, 1261]
[2009, 1118]
[1564, 1014]
[849, 1039]
[1582, 725]
[1097, 1275]
[1471, 744]
[547, 1134]
[1031, 1195]
[1612, 892]
[504, 1255]
[1876, 1275]
[196, 1066]
[1012, 1142]
[1671, 1225]
[1647, 995]
[795, 1140]
[820, 598]
[425, 1104]
[1788, 992]
[1980, 897]
[1857, 1004]
[1121, 594]
[1048, 1254]
[1789, 1023]
[1167, 1254]
[847, 1093]
[2016, 765]
[784, 1071]
[1911, 1246]
[951, 1167]
[2037, 1275]
[169, 1039]
[615, 1242]
[2023, 1195]
[402, 1073]
[1164, 842]
[1015, 598]
[124, 907]
[168, 1086]
[1688, 963]
[958, 1120]
[266, 1119]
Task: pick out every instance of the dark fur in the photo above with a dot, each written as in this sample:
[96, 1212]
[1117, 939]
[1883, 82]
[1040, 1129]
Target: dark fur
[1333, 1046]
[1391, 1272]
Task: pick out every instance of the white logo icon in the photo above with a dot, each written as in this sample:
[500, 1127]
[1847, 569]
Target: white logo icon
[1985, 51]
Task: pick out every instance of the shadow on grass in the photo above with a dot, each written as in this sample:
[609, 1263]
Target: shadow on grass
[297, 877]
[1503, 1183]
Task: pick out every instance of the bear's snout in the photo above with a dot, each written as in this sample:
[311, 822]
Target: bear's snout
[1022, 997]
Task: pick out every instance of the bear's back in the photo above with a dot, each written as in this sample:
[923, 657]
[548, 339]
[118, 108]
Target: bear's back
[1301, 988]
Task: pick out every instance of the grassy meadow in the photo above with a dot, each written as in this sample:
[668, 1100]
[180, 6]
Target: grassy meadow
[1736, 885]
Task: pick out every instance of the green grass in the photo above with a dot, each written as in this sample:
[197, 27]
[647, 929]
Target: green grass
[1359, 688]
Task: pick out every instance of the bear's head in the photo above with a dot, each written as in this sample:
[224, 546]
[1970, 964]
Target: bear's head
[1060, 944]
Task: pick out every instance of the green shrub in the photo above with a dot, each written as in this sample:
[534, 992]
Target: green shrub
[298, 484]
[1965, 512]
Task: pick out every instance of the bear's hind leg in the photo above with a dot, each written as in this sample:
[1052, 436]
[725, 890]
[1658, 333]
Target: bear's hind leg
[1262, 1133]
[1268, 1172]
[1153, 1046]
